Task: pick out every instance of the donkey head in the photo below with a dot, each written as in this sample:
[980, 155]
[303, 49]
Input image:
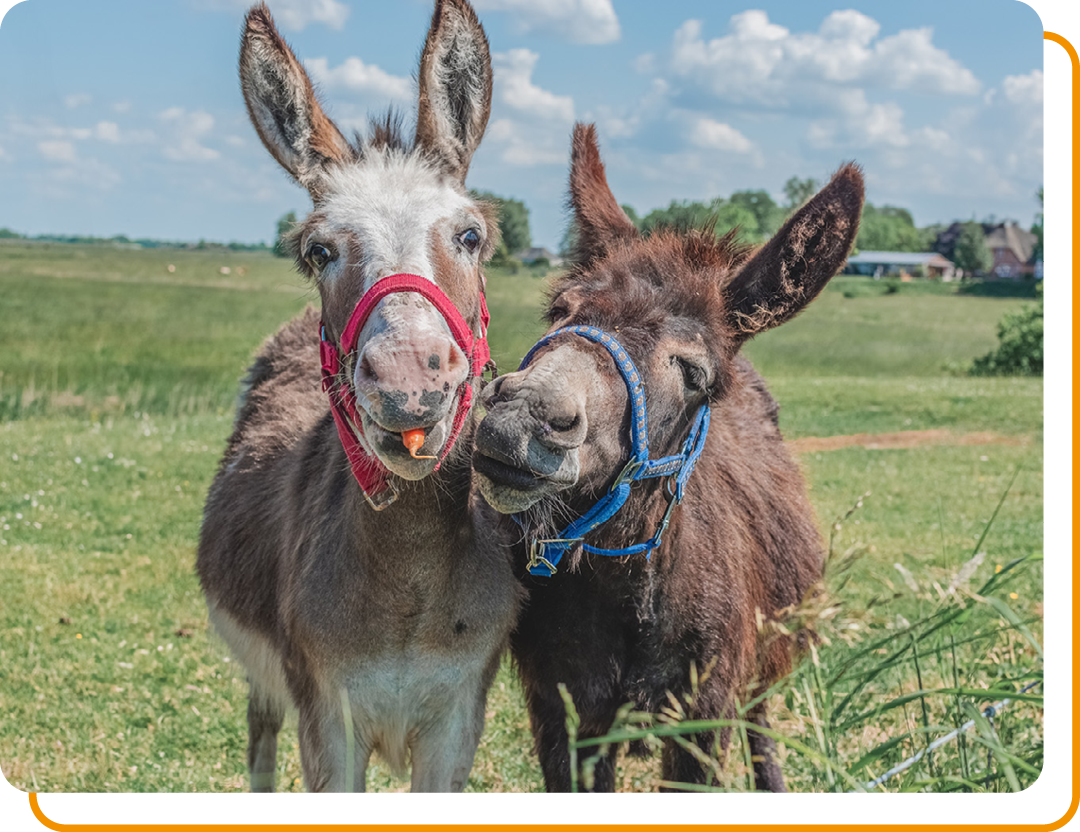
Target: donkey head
[681, 304]
[386, 206]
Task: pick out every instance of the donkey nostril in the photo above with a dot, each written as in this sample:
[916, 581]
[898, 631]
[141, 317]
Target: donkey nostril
[561, 424]
[367, 372]
[454, 360]
[493, 392]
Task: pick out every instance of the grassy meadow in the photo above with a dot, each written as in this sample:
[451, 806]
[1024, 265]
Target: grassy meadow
[117, 382]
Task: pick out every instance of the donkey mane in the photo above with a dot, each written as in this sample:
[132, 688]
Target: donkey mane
[670, 272]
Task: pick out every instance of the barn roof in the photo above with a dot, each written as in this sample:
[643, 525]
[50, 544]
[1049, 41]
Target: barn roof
[899, 258]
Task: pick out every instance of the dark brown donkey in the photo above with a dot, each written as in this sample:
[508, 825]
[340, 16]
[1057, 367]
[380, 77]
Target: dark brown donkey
[556, 435]
[392, 621]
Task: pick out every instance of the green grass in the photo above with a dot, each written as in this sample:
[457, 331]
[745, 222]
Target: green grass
[118, 379]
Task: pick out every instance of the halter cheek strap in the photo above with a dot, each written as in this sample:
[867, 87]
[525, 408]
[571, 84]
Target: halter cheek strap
[371, 475]
[545, 554]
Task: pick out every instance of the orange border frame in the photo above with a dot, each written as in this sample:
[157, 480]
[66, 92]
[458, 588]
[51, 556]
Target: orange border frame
[1073, 805]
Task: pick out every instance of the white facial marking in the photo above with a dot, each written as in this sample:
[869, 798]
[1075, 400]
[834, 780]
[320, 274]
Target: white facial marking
[391, 201]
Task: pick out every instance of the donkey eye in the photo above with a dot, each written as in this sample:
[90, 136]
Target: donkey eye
[694, 376]
[470, 240]
[319, 255]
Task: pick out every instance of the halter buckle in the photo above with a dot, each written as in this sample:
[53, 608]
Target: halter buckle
[381, 499]
[628, 473]
[536, 551]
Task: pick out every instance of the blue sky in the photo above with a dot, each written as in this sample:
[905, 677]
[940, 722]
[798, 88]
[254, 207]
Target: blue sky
[125, 116]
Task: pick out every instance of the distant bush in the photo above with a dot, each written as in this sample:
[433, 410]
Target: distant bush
[281, 240]
[1020, 346]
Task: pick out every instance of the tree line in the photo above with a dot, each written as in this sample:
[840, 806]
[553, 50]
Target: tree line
[756, 216]
[123, 240]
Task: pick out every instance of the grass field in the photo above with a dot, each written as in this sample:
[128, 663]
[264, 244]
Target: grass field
[117, 380]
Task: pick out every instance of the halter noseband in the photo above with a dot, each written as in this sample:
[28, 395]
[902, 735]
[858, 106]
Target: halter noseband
[372, 476]
[545, 554]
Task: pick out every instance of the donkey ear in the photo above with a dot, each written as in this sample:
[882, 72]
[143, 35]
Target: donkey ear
[455, 87]
[793, 267]
[282, 105]
[599, 222]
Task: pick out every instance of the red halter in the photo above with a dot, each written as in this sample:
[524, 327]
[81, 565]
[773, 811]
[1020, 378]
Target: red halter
[372, 476]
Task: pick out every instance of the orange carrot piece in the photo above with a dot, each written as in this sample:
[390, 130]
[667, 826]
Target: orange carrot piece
[414, 440]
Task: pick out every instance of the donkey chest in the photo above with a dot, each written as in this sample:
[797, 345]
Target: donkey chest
[406, 689]
[402, 607]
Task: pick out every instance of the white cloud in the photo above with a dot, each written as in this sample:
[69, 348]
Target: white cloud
[290, 14]
[90, 174]
[645, 64]
[861, 126]
[626, 121]
[183, 134]
[883, 124]
[107, 131]
[714, 135]
[909, 60]
[578, 21]
[516, 90]
[122, 107]
[530, 125]
[77, 100]
[523, 147]
[104, 131]
[57, 151]
[1024, 89]
[762, 63]
[297, 14]
[353, 74]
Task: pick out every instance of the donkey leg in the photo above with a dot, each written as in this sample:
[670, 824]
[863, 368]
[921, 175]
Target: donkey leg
[323, 753]
[548, 721]
[265, 716]
[442, 753]
[679, 765]
[767, 774]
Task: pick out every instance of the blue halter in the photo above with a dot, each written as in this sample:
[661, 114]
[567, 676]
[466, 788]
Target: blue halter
[545, 554]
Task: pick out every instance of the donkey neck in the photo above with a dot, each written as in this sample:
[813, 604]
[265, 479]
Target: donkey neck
[429, 518]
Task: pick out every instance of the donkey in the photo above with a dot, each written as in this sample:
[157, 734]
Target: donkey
[679, 611]
[342, 568]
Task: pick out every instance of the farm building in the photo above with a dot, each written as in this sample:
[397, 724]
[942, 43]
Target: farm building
[1012, 246]
[913, 263]
[531, 255]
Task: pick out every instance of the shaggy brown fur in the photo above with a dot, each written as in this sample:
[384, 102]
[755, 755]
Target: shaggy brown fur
[744, 542]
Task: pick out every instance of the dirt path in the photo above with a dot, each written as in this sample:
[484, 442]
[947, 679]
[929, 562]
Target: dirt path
[902, 440]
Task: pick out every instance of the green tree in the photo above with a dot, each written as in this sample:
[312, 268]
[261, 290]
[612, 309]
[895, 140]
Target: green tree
[513, 222]
[971, 253]
[799, 190]
[928, 235]
[1037, 227]
[284, 226]
[678, 215]
[731, 215]
[632, 214]
[768, 215]
[888, 228]
[722, 214]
